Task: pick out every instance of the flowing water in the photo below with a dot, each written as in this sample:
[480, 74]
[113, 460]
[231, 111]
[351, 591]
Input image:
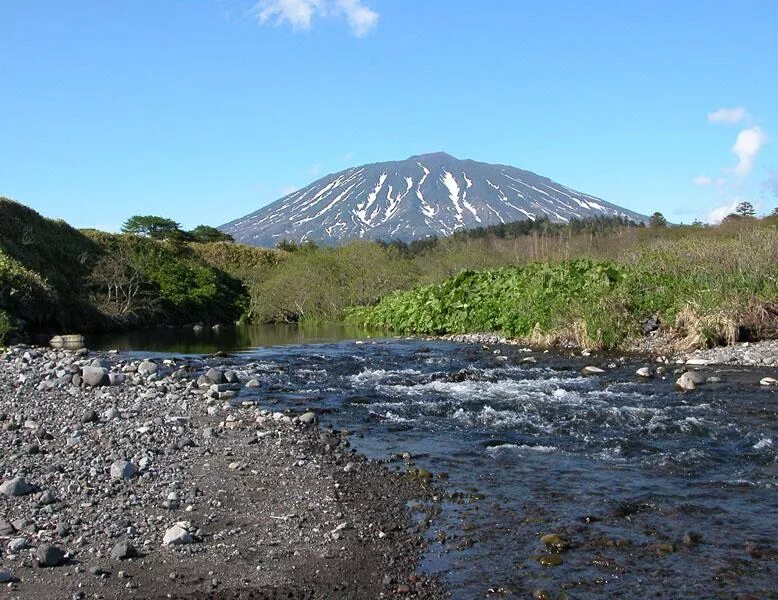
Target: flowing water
[652, 492]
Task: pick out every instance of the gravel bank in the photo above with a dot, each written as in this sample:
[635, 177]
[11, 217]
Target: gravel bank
[747, 354]
[137, 479]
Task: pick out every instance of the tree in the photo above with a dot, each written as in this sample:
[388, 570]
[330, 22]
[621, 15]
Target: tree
[657, 220]
[205, 233]
[775, 212]
[158, 228]
[745, 209]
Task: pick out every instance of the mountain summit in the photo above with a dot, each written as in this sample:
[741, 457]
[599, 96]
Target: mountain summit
[426, 195]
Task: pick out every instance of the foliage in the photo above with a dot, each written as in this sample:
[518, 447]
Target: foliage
[709, 288]
[657, 220]
[206, 233]
[6, 327]
[320, 284]
[54, 277]
[158, 228]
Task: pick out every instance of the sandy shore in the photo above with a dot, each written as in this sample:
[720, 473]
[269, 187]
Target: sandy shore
[151, 484]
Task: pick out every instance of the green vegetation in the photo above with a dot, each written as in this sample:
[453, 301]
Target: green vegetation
[593, 283]
[160, 228]
[56, 278]
[709, 285]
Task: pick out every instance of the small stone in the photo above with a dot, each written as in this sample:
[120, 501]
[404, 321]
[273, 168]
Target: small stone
[253, 383]
[308, 418]
[689, 380]
[591, 370]
[550, 560]
[122, 469]
[123, 550]
[768, 381]
[100, 570]
[554, 540]
[644, 372]
[177, 535]
[5, 576]
[16, 487]
[89, 416]
[699, 362]
[49, 555]
[17, 545]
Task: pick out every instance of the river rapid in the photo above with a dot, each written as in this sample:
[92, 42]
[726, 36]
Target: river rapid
[650, 492]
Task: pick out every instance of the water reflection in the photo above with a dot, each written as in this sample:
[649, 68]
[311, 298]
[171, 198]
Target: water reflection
[189, 340]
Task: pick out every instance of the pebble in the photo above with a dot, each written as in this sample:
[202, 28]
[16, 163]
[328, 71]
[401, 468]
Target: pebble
[5, 576]
[644, 372]
[177, 535]
[123, 550]
[592, 370]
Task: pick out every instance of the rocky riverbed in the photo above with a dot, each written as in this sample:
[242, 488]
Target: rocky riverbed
[126, 478]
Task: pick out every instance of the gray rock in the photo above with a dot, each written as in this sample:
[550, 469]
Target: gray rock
[17, 545]
[5, 576]
[123, 550]
[176, 536]
[591, 370]
[116, 378]
[231, 377]
[122, 469]
[215, 376]
[89, 416]
[253, 383]
[308, 418]
[644, 372]
[6, 528]
[147, 368]
[49, 555]
[94, 376]
[768, 381]
[689, 381]
[16, 487]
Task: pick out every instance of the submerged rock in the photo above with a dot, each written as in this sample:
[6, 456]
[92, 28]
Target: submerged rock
[592, 370]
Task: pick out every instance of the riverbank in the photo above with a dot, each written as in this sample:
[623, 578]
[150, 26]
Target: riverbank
[746, 354]
[127, 478]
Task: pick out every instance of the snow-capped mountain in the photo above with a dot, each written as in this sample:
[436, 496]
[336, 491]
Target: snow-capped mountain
[423, 196]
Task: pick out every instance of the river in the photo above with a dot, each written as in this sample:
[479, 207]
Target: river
[652, 493]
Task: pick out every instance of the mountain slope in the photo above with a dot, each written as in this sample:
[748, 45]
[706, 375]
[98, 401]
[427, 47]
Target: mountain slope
[425, 195]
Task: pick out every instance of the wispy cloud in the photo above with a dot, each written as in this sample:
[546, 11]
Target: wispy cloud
[718, 214]
[747, 145]
[300, 14]
[288, 189]
[728, 115]
[702, 180]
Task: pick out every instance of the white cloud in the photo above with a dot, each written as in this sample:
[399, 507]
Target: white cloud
[360, 18]
[702, 180]
[717, 214]
[747, 145]
[728, 115]
[298, 13]
[301, 13]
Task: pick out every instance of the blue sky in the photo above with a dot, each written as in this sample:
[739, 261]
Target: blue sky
[205, 110]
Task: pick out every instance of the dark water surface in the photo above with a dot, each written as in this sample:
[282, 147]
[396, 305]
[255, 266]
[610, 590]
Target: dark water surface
[657, 494]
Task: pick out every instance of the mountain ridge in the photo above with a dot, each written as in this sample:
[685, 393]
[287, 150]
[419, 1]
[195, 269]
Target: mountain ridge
[425, 195]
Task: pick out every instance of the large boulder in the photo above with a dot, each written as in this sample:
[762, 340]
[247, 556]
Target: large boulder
[689, 380]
